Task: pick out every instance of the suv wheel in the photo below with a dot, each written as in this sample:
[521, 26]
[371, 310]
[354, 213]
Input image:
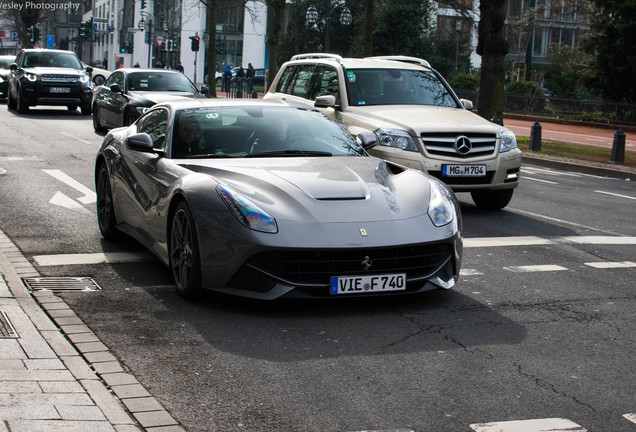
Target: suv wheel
[86, 109]
[21, 105]
[11, 103]
[72, 107]
[492, 199]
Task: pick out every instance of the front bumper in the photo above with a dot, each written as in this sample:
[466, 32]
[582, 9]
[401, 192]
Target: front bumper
[55, 94]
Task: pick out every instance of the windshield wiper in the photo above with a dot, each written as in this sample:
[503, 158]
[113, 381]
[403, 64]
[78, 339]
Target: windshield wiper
[290, 153]
[209, 156]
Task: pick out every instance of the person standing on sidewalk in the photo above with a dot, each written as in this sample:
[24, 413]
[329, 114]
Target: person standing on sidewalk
[240, 77]
[249, 76]
[227, 77]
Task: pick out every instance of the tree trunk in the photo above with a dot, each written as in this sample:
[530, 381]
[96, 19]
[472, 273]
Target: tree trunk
[493, 49]
[276, 25]
[368, 29]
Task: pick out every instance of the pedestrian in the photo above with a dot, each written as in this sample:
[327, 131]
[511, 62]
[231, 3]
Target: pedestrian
[136, 65]
[159, 65]
[249, 77]
[227, 77]
[180, 67]
[240, 76]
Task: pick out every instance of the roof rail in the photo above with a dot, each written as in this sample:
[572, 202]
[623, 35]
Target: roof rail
[405, 59]
[316, 56]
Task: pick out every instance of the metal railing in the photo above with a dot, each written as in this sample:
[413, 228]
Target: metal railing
[589, 110]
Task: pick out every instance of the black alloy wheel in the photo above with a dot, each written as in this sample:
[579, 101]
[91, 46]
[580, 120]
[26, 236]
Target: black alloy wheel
[105, 208]
[184, 253]
[97, 124]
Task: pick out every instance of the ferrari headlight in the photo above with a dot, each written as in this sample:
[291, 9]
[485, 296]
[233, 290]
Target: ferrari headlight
[441, 209]
[396, 138]
[31, 77]
[508, 141]
[247, 212]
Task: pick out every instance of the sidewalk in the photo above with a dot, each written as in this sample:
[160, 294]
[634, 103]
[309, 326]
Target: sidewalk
[55, 374]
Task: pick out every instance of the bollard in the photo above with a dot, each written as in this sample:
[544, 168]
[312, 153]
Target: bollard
[497, 120]
[535, 137]
[618, 147]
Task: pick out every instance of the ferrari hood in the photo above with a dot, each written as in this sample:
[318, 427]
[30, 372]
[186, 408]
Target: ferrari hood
[315, 188]
[422, 118]
[158, 97]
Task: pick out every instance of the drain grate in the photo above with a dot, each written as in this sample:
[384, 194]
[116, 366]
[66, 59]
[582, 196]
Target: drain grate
[6, 329]
[61, 284]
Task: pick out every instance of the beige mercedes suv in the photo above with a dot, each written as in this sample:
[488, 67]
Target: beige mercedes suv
[418, 120]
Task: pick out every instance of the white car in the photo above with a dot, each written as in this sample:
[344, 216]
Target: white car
[417, 118]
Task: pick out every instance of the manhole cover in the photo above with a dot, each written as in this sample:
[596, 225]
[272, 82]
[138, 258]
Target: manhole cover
[6, 329]
[58, 284]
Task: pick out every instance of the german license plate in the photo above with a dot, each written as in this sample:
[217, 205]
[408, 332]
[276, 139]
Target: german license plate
[367, 284]
[59, 90]
[464, 170]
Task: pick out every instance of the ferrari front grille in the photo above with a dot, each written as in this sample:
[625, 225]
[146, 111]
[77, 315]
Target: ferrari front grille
[316, 267]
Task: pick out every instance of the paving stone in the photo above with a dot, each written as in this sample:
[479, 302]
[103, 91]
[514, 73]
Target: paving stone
[83, 337]
[28, 412]
[11, 364]
[142, 404]
[73, 412]
[130, 391]
[60, 425]
[12, 387]
[79, 368]
[46, 364]
[107, 367]
[61, 387]
[123, 428]
[36, 375]
[113, 379]
[76, 328]
[69, 320]
[11, 349]
[175, 428]
[109, 405]
[155, 418]
[96, 357]
[44, 399]
[91, 347]
[60, 345]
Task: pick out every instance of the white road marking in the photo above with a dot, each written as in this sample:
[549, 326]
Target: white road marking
[89, 196]
[505, 241]
[616, 195]
[561, 221]
[535, 170]
[76, 138]
[534, 425]
[611, 265]
[470, 272]
[540, 180]
[2, 171]
[62, 200]
[613, 240]
[92, 258]
[631, 417]
[535, 268]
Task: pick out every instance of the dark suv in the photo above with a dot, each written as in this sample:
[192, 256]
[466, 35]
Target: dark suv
[49, 77]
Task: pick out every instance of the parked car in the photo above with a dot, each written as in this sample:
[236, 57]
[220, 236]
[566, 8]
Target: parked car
[98, 75]
[49, 77]
[5, 63]
[419, 121]
[129, 92]
[263, 200]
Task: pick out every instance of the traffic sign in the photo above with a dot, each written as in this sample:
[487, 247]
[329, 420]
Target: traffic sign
[14, 36]
[50, 41]
[133, 29]
[104, 20]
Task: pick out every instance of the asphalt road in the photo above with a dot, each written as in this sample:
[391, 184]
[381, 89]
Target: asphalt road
[540, 326]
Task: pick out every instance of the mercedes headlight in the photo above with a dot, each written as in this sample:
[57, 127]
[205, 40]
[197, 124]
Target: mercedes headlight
[31, 77]
[508, 141]
[441, 209]
[397, 138]
[247, 212]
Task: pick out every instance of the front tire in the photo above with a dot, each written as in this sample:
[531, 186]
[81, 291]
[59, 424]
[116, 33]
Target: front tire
[184, 253]
[21, 105]
[97, 124]
[11, 103]
[86, 109]
[492, 199]
[105, 209]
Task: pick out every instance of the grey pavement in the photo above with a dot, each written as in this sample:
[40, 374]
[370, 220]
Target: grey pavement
[55, 374]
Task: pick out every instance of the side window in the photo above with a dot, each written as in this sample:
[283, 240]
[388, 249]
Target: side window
[326, 83]
[301, 86]
[285, 79]
[155, 124]
[115, 78]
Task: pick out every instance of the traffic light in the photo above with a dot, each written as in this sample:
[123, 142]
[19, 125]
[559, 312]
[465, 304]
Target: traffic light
[34, 34]
[85, 29]
[195, 42]
[143, 4]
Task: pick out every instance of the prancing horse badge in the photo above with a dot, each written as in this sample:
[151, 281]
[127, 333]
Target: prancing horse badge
[363, 232]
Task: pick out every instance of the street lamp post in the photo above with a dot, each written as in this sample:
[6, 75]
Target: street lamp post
[312, 17]
[142, 26]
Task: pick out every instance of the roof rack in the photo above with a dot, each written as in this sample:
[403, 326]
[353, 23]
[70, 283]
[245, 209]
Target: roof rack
[405, 59]
[316, 56]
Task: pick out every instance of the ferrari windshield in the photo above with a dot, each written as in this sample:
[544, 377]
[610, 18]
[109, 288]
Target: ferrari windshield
[251, 131]
[160, 82]
[398, 87]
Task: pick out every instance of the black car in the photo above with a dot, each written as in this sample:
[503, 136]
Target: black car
[49, 77]
[5, 63]
[129, 92]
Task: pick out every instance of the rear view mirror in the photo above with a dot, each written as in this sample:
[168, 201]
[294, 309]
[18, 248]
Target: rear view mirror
[468, 104]
[325, 101]
[140, 142]
[367, 140]
[115, 88]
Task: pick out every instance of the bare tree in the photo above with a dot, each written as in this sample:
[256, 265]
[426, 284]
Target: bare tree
[24, 18]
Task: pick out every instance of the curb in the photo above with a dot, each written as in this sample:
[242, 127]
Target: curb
[571, 165]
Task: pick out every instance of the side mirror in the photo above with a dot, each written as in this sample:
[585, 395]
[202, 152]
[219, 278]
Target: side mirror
[468, 104]
[368, 140]
[89, 69]
[115, 88]
[140, 142]
[205, 91]
[14, 66]
[325, 101]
